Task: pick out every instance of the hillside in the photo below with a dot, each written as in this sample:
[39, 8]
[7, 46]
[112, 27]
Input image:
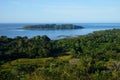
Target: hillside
[95, 56]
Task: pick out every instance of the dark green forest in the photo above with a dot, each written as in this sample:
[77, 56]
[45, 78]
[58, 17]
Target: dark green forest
[95, 56]
[52, 27]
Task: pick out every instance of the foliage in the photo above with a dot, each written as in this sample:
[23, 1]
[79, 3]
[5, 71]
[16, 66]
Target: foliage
[95, 56]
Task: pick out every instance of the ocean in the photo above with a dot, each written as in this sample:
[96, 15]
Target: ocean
[13, 29]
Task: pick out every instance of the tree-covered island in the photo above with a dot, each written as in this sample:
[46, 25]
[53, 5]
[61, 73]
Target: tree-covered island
[52, 27]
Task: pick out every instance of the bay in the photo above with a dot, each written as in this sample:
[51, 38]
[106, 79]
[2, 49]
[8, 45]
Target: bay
[13, 29]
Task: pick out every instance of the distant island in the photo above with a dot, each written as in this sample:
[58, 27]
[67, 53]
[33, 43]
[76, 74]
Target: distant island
[52, 27]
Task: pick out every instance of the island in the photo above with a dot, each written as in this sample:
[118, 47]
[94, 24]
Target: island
[52, 27]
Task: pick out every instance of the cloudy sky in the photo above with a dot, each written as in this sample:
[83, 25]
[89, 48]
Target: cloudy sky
[59, 11]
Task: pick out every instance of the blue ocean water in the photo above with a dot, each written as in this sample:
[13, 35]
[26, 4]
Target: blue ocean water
[12, 29]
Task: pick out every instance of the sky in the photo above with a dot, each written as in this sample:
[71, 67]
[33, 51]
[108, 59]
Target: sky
[59, 11]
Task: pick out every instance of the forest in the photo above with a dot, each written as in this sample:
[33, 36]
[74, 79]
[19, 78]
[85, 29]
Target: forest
[52, 27]
[95, 56]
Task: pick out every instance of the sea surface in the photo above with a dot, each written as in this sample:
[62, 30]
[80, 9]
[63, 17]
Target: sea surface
[13, 29]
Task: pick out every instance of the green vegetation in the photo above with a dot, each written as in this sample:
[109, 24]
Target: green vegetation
[52, 27]
[95, 56]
